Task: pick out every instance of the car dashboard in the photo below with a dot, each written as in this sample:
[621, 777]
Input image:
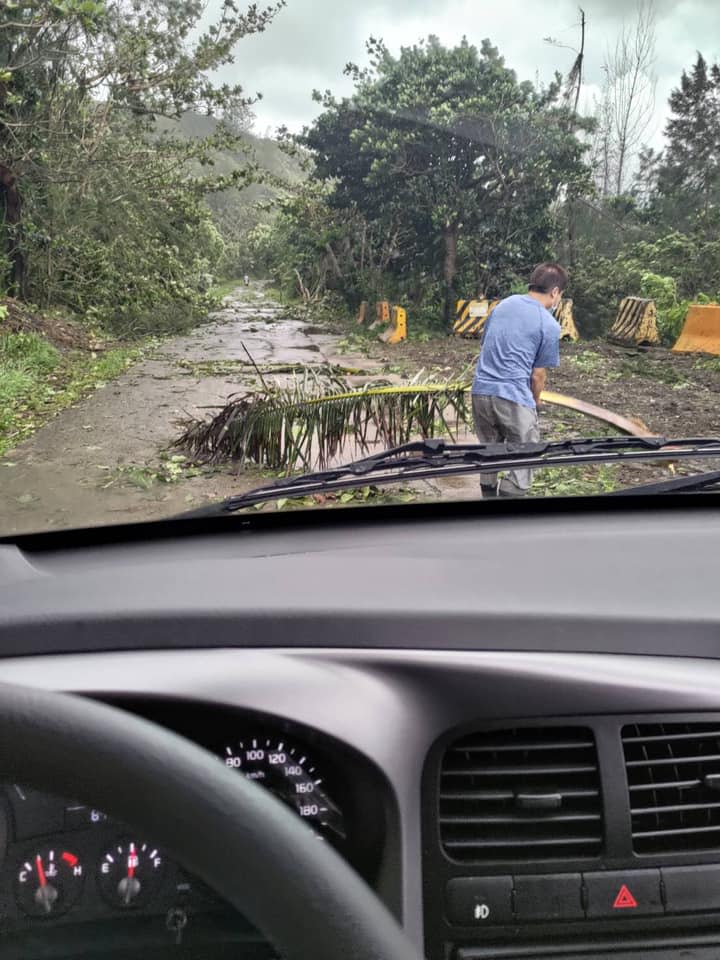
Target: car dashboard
[75, 869]
[514, 778]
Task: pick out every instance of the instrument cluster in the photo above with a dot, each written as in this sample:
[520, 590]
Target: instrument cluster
[66, 862]
[67, 865]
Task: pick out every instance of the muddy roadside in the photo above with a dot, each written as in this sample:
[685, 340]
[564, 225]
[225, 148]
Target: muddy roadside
[674, 395]
[108, 459]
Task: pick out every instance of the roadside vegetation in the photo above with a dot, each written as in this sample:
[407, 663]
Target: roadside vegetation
[38, 381]
[127, 180]
[481, 175]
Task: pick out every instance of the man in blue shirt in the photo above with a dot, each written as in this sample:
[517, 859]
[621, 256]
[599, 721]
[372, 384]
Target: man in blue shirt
[521, 340]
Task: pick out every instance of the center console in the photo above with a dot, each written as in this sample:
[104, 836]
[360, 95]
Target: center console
[579, 836]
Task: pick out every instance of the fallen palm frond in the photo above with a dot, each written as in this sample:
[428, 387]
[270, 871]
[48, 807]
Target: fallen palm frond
[285, 429]
[222, 368]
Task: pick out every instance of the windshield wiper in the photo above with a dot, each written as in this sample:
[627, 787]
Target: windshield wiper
[424, 459]
[695, 482]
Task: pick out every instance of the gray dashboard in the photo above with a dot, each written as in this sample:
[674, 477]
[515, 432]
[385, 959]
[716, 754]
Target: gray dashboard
[389, 705]
[385, 635]
[640, 581]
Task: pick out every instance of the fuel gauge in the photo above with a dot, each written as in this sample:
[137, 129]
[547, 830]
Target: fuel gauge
[130, 874]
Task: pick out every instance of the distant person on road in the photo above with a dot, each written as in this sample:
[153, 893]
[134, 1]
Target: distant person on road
[521, 340]
[246, 279]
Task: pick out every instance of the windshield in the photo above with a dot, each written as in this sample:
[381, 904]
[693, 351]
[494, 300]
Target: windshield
[239, 244]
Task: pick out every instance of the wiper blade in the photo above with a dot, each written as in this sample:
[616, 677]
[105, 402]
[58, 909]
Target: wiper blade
[425, 459]
[421, 451]
[698, 481]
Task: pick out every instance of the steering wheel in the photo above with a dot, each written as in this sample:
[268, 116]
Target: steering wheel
[237, 837]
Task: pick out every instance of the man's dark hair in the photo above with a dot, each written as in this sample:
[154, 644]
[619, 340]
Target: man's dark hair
[546, 276]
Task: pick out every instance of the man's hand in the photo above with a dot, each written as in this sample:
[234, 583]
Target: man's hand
[537, 383]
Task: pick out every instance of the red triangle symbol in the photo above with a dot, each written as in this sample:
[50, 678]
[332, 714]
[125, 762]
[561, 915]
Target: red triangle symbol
[624, 899]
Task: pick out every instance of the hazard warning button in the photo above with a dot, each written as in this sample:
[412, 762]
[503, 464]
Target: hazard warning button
[622, 895]
[625, 899]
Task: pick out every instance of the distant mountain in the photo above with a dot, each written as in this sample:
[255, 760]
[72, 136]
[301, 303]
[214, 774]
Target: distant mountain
[237, 211]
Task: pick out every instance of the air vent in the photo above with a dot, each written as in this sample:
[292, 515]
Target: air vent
[673, 772]
[519, 795]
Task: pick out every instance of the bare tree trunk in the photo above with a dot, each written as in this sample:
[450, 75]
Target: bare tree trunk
[10, 194]
[580, 62]
[333, 260]
[302, 289]
[450, 269]
[605, 191]
[631, 87]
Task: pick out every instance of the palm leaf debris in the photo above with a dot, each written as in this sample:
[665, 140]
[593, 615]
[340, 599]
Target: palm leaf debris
[290, 428]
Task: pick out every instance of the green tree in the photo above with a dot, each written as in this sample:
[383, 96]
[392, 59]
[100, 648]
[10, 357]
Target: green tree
[690, 170]
[448, 145]
[661, 241]
[313, 249]
[104, 206]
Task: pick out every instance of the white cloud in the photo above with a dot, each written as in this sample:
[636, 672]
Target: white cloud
[310, 42]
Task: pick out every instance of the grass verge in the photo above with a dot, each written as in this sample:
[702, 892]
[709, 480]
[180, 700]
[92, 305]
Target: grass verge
[37, 381]
[225, 288]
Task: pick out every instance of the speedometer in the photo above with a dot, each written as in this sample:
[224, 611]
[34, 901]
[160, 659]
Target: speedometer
[286, 770]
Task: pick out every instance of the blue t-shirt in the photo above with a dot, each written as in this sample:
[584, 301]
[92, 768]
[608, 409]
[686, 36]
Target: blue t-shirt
[520, 335]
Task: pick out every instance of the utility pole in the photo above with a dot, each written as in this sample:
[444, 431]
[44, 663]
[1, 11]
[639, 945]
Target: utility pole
[579, 63]
[578, 70]
[573, 85]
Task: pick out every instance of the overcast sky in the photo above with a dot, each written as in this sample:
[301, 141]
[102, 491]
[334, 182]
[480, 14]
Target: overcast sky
[310, 42]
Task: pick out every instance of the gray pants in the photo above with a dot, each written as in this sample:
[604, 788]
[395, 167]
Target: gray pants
[497, 420]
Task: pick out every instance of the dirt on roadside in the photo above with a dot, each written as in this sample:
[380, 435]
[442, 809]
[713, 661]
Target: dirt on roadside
[673, 394]
[57, 330]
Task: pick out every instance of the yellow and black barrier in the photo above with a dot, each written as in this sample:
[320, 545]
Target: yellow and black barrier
[470, 316]
[397, 330]
[636, 322]
[564, 316]
[382, 314]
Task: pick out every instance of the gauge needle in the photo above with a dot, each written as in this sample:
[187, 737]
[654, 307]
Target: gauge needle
[129, 886]
[45, 894]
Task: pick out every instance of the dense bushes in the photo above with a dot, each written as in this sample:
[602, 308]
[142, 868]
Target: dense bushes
[103, 205]
[25, 360]
[675, 270]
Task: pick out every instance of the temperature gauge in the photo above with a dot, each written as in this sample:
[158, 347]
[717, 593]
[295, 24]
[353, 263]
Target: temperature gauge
[48, 882]
[130, 874]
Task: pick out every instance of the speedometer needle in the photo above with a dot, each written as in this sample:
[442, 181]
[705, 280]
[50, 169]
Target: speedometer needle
[41, 871]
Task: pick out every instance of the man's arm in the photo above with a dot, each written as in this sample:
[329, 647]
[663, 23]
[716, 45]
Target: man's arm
[537, 383]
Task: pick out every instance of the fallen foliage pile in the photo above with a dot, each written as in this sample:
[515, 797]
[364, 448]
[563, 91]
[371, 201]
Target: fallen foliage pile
[18, 317]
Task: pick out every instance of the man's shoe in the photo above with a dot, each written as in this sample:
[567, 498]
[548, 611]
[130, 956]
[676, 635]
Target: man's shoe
[507, 489]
